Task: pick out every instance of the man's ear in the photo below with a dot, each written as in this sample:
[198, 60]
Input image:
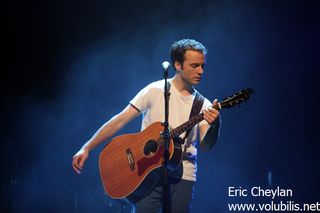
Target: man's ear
[177, 65]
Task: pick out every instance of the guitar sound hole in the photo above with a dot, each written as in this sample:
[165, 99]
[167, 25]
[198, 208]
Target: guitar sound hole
[150, 147]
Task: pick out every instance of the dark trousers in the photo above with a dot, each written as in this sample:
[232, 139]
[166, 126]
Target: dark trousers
[181, 197]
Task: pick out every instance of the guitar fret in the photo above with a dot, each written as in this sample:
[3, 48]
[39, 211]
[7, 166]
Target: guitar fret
[187, 125]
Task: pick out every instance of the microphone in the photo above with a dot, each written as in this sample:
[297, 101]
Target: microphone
[165, 65]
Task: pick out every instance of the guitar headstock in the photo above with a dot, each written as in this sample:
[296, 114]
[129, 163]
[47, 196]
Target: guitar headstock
[237, 98]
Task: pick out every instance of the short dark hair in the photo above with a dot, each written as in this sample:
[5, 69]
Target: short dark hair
[179, 48]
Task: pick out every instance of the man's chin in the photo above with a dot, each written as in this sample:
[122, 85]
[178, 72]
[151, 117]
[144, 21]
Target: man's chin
[195, 82]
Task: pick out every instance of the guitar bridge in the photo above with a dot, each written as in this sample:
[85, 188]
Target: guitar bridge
[130, 159]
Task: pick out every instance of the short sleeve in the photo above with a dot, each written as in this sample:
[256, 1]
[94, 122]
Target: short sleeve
[141, 101]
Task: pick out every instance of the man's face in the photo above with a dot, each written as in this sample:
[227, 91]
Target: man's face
[193, 65]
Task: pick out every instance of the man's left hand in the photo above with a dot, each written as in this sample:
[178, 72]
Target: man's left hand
[211, 115]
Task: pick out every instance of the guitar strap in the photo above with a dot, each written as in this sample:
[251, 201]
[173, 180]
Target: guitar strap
[195, 110]
[196, 107]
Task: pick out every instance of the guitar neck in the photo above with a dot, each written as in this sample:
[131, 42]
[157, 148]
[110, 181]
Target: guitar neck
[228, 102]
[189, 124]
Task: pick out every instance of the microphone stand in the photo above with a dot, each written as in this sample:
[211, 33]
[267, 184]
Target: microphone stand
[166, 197]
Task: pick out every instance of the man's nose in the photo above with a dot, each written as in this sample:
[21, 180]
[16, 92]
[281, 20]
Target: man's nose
[200, 70]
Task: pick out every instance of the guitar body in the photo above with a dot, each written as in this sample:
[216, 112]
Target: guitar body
[130, 165]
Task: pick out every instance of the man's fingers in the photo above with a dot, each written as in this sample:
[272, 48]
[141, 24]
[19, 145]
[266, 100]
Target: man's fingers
[208, 116]
[82, 160]
[76, 169]
[79, 160]
[211, 114]
[76, 165]
[215, 102]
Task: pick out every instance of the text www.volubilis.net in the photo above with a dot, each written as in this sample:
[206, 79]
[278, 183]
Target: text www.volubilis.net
[274, 207]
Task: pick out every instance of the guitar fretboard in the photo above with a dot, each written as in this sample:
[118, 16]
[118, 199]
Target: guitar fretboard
[191, 123]
[187, 125]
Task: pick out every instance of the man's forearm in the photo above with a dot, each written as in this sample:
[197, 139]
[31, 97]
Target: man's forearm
[211, 136]
[106, 131]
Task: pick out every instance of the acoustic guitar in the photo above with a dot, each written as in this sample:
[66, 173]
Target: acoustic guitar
[130, 164]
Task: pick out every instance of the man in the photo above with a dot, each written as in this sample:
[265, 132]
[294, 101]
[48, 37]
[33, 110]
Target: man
[188, 58]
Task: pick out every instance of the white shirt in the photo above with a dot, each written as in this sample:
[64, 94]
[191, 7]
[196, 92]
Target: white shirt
[150, 101]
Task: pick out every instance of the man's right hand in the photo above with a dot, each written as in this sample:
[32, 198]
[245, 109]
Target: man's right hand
[79, 159]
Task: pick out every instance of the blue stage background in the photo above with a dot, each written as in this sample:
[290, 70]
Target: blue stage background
[78, 63]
